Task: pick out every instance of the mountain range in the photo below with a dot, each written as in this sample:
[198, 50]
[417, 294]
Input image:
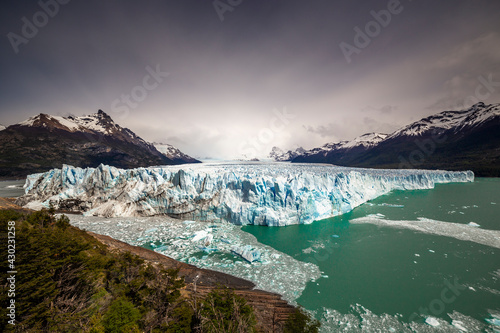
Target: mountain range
[44, 142]
[453, 140]
[279, 155]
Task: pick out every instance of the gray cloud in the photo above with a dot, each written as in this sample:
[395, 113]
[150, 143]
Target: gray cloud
[227, 77]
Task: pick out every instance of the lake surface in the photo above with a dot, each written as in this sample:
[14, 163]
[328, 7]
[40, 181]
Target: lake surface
[381, 277]
[11, 188]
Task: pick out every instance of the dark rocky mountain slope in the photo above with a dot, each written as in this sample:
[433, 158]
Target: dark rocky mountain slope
[44, 142]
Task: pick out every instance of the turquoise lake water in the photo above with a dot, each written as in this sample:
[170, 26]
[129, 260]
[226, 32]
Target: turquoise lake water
[11, 188]
[396, 273]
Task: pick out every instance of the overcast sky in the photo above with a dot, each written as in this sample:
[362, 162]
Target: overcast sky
[251, 74]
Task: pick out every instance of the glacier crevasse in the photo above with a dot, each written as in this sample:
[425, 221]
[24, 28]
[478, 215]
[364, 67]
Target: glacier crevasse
[272, 194]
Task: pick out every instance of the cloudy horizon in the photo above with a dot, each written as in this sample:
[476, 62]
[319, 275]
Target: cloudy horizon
[224, 78]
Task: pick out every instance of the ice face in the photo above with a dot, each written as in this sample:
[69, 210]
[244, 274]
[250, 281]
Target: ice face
[272, 194]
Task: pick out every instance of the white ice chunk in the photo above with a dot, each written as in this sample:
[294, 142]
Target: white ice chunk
[495, 320]
[459, 324]
[199, 235]
[247, 253]
[432, 321]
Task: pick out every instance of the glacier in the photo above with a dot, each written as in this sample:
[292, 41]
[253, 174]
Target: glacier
[271, 194]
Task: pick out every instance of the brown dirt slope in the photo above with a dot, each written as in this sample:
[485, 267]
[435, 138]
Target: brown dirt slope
[8, 203]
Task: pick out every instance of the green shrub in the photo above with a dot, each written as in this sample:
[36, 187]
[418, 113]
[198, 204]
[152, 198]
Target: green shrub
[9, 215]
[224, 311]
[121, 316]
[70, 282]
[301, 322]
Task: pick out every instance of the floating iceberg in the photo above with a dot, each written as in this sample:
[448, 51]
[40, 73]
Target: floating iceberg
[247, 253]
[199, 235]
[273, 194]
[432, 321]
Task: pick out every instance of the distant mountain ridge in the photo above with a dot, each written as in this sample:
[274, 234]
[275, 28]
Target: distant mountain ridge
[43, 142]
[362, 142]
[281, 156]
[456, 121]
[453, 140]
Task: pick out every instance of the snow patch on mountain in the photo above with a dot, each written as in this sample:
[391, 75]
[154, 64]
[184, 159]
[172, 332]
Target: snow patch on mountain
[272, 194]
[438, 123]
[446, 120]
[366, 140]
[98, 122]
[2, 127]
[172, 152]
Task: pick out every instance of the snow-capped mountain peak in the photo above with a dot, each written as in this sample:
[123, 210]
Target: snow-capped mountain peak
[82, 141]
[101, 123]
[98, 123]
[446, 120]
[462, 139]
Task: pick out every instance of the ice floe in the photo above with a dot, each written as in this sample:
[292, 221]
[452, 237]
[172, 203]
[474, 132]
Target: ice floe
[456, 230]
[222, 247]
[362, 320]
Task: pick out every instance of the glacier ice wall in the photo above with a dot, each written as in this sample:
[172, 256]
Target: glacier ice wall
[273, 194]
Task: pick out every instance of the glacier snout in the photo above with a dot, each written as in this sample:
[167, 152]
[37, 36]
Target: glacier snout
[273, 194]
